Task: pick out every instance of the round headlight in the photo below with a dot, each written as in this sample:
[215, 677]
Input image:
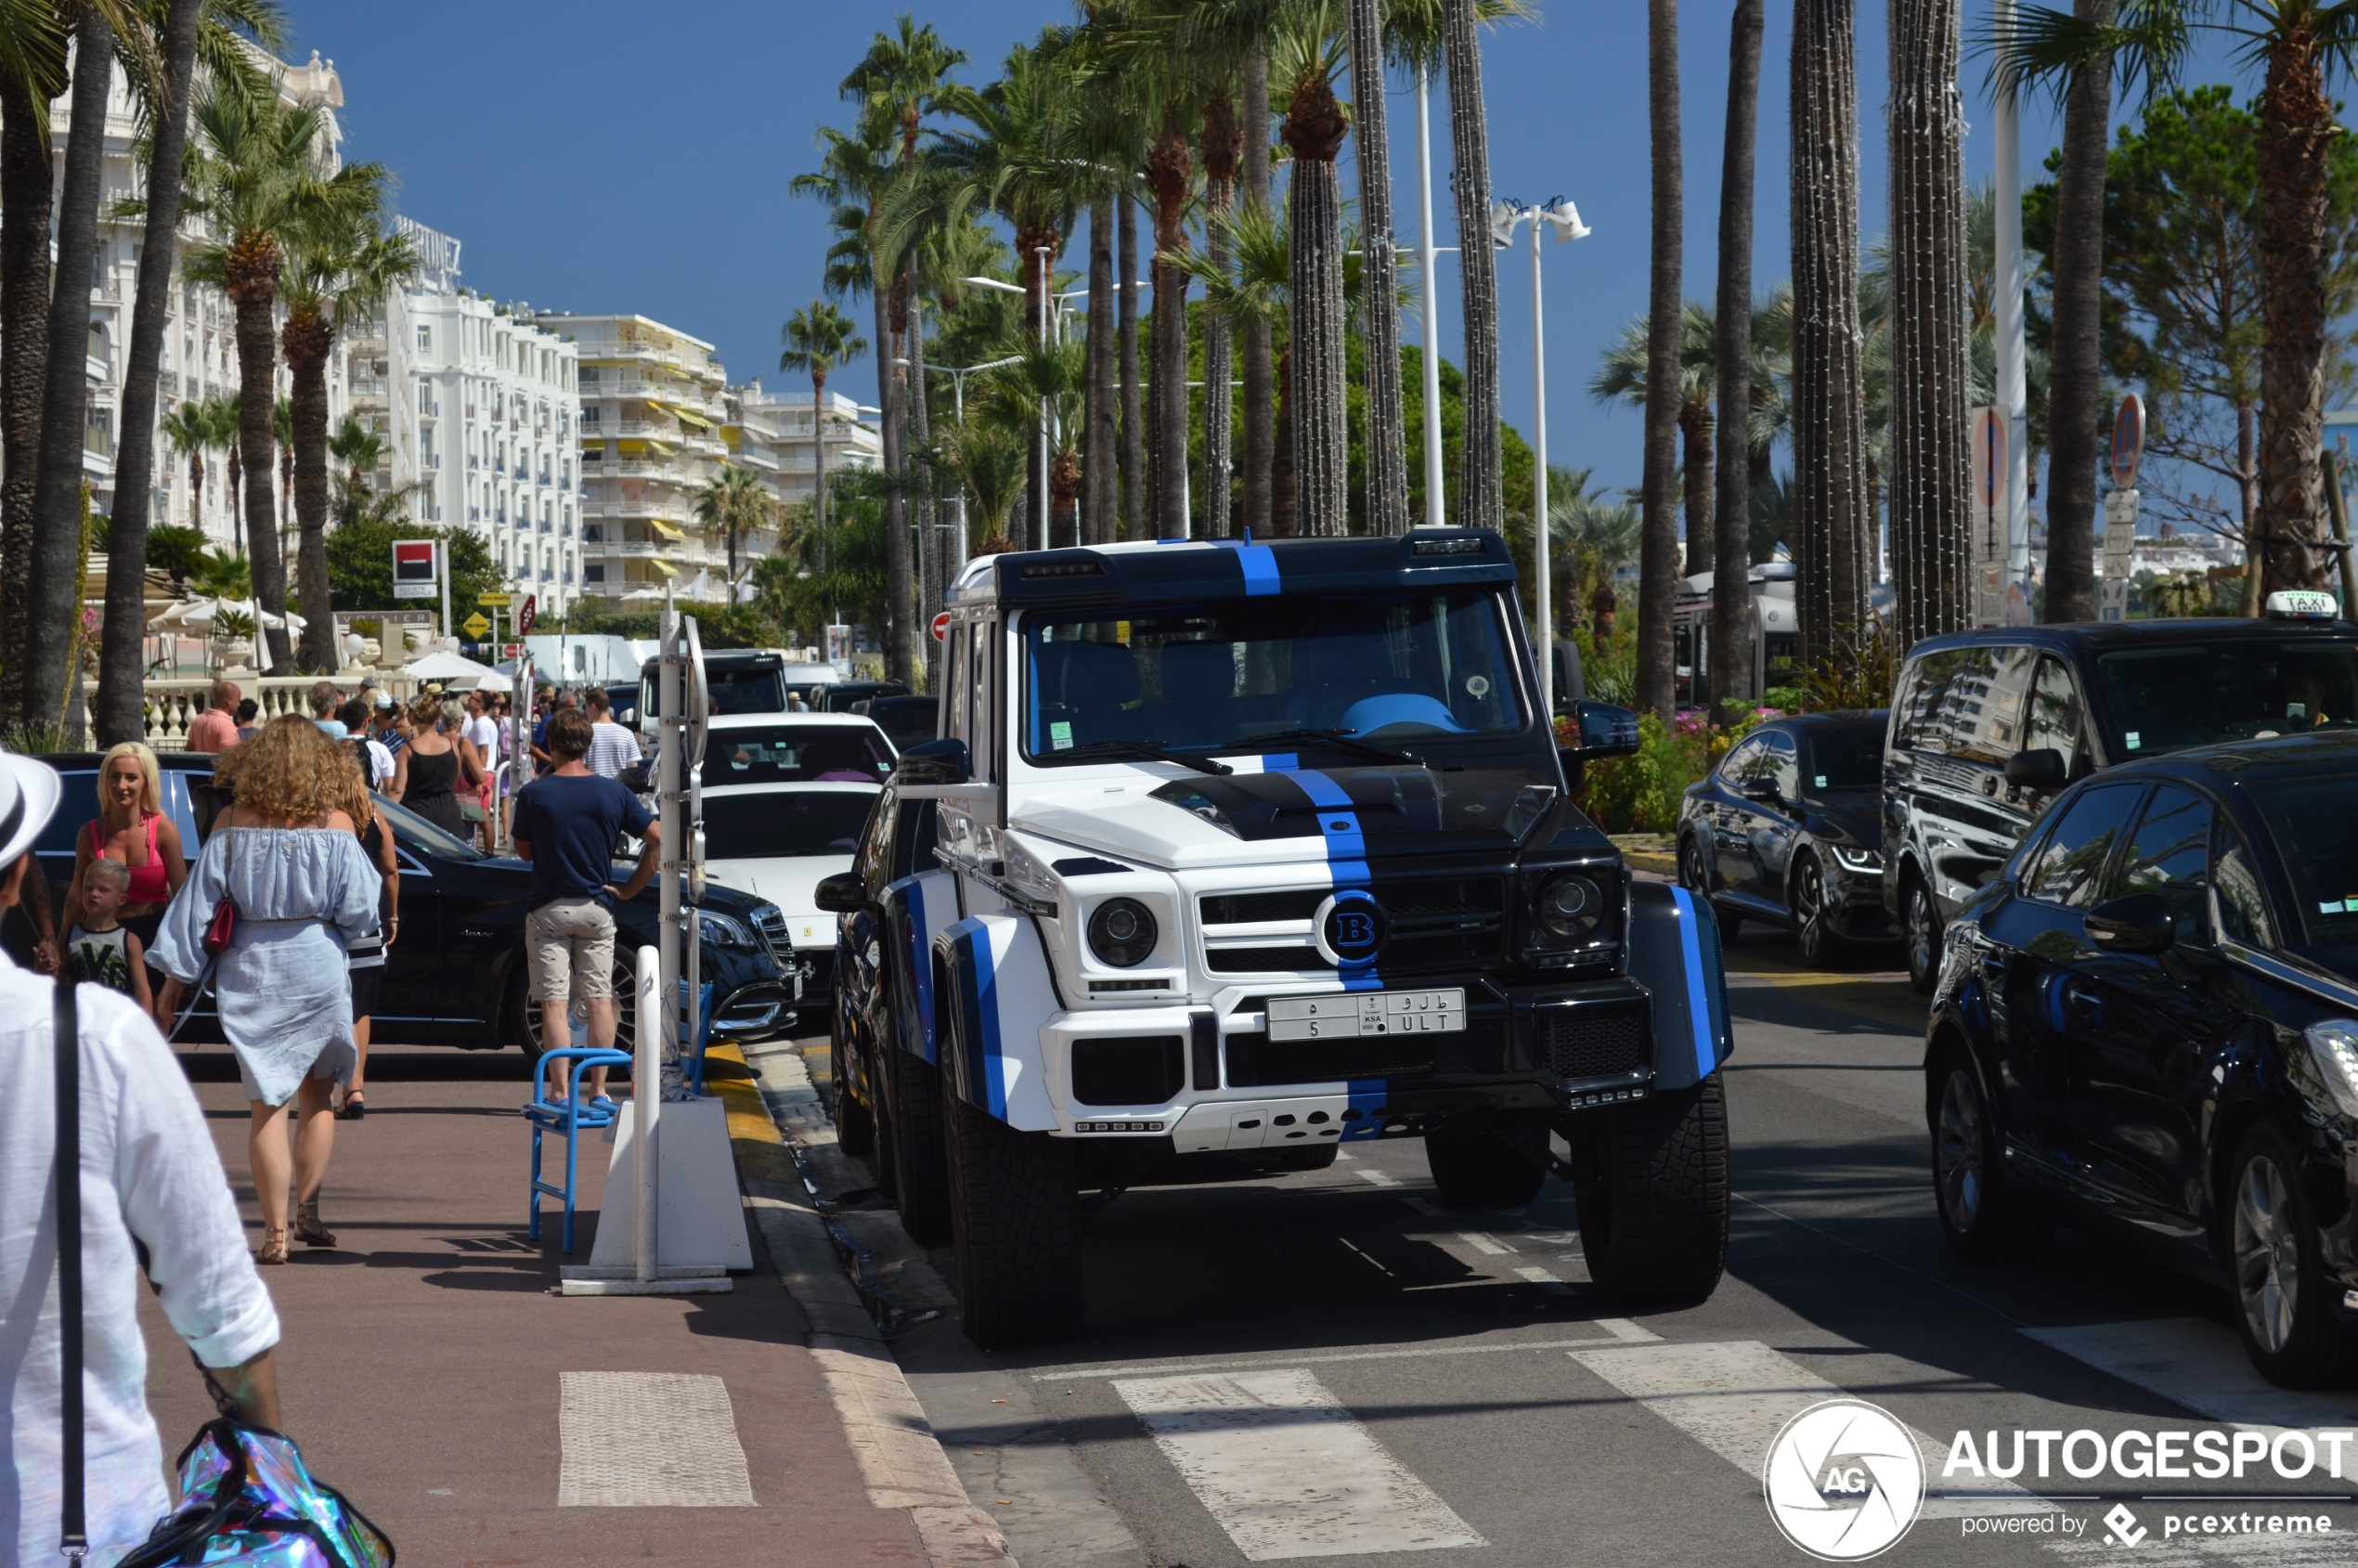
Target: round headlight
[1569, 905]
[1121, 932]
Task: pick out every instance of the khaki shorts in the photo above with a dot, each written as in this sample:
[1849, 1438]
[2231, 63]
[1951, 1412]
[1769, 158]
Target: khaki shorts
[571, 944]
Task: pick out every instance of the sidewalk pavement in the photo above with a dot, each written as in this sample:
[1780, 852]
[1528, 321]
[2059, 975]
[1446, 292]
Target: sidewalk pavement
[429, 1373]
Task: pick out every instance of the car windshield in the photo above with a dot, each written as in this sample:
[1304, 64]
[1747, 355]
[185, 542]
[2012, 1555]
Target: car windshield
[2199, 693]
[796, 754]
[799, 821]
[738, 689]
[2318, 839]
[1846, 759]
[1397, 668]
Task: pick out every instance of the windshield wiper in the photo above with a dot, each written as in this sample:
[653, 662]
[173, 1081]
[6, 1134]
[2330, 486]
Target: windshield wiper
[1159, 753]
[1342, 738]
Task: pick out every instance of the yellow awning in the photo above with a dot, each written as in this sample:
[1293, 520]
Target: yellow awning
[634, 449]
[661, 451]
[669, 530]
[689, 416]
[593, 442]
[665, 567]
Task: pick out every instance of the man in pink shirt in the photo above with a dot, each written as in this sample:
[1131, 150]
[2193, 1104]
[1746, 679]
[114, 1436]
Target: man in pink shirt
[216, 728]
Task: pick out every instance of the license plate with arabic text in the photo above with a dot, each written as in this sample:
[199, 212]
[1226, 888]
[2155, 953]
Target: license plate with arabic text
[1367, 1012]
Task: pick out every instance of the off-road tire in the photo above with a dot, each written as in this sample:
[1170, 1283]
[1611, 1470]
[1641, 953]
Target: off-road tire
[1315, 1158]
[1920, 929]
[1988, 1217]
[1654, 1197]
[855, 1122]
[1488, 1169]
[920, 1153]
[887, 1162]
[1694, 876]
[2319, 1351]
[1016, 1214]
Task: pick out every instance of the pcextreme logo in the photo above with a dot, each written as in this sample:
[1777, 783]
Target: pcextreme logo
[1843, 1480]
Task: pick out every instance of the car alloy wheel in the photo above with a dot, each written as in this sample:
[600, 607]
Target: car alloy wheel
[1924, 938]
[1957, 1147]
[2267, 1254]
[1809, 912]
[1691, 870]
[626, 1007]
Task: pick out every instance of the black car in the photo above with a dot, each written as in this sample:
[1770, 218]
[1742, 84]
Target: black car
[847, 696]
[909, 720]
[1784, 831]
[456, 974]
[1987, 727]
[2146, 1024]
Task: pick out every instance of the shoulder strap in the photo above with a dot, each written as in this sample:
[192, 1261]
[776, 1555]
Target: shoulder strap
[66, 1031]
[155, 825]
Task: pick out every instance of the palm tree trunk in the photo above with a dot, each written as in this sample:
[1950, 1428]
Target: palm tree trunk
[1829, 423]
[1314, 130]
[899, 580]
[1481, 502]
[56, 514]
[1930, 461]
[1259, 378]
[1101, 493]
[1387, 460]
[1223, 142]
[1169, 168]
[1133, 424]
[2075, 376]
[25, 183]
[307, 339]
[819, 459]
[2297, 131]
[253, 269]
[1695, 426]
[120, 714]
[1731, 587]
[1658, 546]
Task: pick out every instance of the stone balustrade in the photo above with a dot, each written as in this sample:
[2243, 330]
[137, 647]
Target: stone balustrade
[173, 705]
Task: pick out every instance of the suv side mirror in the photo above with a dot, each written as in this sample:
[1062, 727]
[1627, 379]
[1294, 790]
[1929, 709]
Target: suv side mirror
[934, 762]
[1571, 685]
[2043, 769]
[1604, 730]
[839, 894]
[2139, 923]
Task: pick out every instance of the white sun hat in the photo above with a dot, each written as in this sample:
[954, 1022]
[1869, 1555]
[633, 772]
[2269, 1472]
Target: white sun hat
[29, 791]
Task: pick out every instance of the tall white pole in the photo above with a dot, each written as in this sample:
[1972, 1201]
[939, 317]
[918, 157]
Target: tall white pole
[1541, 587]
[2013, 394]
[1046, 542]
[1435, 512]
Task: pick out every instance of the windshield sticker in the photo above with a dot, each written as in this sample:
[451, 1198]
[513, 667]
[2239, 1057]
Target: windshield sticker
[2131, 739]
[1821, 781]
[1477, 686]
[1060, 735]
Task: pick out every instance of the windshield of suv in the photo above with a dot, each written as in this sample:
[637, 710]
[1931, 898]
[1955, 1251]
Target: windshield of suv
[1846, 759]
[2199, 693]
[744, 689]
[1390, 668]
[2317, 838]
[802, 822]
[796, 754]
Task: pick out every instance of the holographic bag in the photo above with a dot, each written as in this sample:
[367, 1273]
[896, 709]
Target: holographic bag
[247, 1499]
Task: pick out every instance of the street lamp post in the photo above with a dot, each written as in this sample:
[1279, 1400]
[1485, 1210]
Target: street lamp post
[1045, 312]
[1564, 218]
[2013, 403]
[956, 560]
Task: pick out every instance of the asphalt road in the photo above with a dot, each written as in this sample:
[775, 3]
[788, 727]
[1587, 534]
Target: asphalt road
[1330, 1365]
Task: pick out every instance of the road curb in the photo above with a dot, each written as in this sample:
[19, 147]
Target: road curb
[901, 1463]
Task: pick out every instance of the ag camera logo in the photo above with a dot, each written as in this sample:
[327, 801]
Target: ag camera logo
[1843, 1480]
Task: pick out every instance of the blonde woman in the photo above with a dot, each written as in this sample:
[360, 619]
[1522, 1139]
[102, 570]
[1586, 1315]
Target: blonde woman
[289, 859]
[131, 828]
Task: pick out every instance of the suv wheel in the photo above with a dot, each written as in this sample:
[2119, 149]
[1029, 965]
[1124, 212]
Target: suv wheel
[1488, 1169]
[855, 1122]
[1819, 947]
[919, 1157]
[523, 1015]
[1986, 1217]
[1654, 1197]
[2284, 1305]
[1920, 923]
[1695, 876]
[1016, 1212]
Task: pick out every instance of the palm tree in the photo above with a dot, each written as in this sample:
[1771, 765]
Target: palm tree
[360, 448]
[223, 418]
[1259, 368]
[341, 266]
[282, 443]
[1658, 557]
[1481, 501]
[731, 503]
[32, 73]
[1305, 56]
[1829, 426]
[259, 172]
[1044, 387]
[1731, 590]
[989, 456]
[1387, 460]
[187, 428]
[819, 339]
[1621, 376]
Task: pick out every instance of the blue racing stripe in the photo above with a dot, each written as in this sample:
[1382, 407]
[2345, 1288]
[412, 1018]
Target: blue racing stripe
[1698, 989]
[1367, 1095]
[1346, 859]
[921, 969]
[994, 1062]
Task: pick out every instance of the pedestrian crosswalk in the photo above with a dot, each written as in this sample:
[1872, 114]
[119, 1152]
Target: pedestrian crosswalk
[2201, 1366]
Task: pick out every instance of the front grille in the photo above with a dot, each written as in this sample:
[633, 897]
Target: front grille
[1241, 909]
[771, 921]
[1592, 1042]
[1255, 1059]
[1263, 960]
[1440, 950]
[1127, 1070]
[1432, 897]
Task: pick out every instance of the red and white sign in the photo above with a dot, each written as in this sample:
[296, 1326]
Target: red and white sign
[942, 626]
[512, 650]
[413, 569]
[525, 616]
[2127, 442]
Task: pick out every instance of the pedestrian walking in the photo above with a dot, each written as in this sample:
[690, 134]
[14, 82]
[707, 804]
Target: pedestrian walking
[612, 747]
[216, 728]
[288, 860]
[248, 712]
[389, 725]
[131, 827]
[325, 700]
[566, 825]
[154, 1203]
[102, 950]
[427, 773]
[367, 955]
[376, 762]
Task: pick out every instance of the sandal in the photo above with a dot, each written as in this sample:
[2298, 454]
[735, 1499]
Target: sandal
[308, 1228]
[354, 1107]
[274, 1245]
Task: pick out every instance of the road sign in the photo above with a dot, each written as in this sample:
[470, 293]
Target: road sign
[475, 625]
[512, 650]
[942, 626]
[525, 616]
[1988, 517]
[495, 600]
[413, 573]
[1989, 457]
[2127, 441]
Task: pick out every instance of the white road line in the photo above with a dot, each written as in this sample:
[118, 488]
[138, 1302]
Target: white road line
[1381, 1178]
[1483, 1244]
[2201, 1366]
[649, 1440]
[1543, 1279]
[1733, 1397]
[1286, 1470]
[1621, 1329]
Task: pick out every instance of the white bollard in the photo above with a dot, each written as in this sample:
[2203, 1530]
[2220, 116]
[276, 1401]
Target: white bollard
[646, 1095]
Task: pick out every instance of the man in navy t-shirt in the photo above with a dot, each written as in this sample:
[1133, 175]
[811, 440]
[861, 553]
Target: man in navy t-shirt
[566, 825]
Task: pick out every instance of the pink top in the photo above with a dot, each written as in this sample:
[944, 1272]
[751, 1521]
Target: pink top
[213, 730]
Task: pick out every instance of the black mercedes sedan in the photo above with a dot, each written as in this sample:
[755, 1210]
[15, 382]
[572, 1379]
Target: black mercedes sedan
[1786, 831]
[457, 975]
[2146, 1024]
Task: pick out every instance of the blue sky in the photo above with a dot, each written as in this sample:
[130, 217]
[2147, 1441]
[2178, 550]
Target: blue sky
[595, 156]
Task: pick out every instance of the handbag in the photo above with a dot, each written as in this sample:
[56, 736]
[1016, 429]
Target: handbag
[222, 929]
[246, 1498]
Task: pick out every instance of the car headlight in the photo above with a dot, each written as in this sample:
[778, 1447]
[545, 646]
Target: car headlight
[1121, 931]
[1569, 905]
[2333, 1045]
[726, 930]
[1863, 862]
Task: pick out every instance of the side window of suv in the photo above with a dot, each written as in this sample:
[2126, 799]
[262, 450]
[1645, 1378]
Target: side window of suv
[2171, 855]
[1956, 704]
[2052, 721]
[2243, 901]
[2071, 866]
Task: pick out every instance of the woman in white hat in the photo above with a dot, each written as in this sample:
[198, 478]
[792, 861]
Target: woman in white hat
[151, 1181]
